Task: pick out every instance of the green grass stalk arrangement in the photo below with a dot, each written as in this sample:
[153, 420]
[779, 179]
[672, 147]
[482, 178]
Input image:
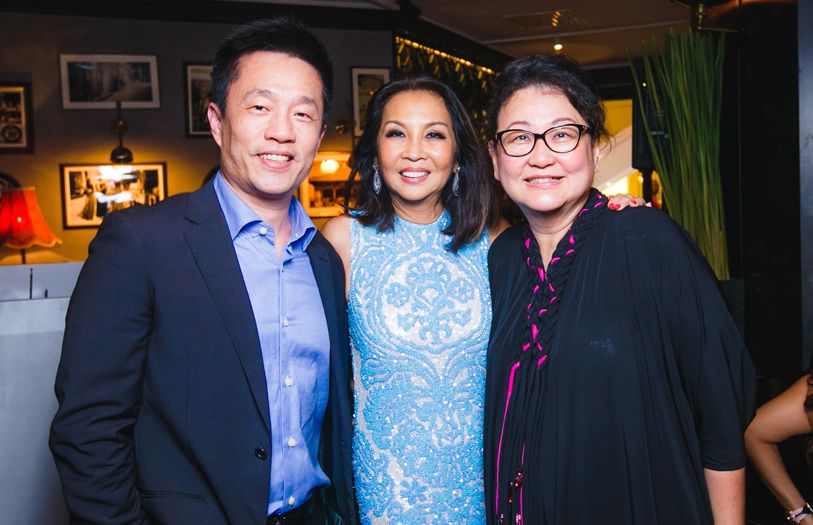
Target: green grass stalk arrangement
[684, 85]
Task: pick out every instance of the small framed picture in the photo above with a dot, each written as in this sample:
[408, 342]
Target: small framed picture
[91, 191]
[16, 125]
[98, 81]
[198, 82]
[365, 82]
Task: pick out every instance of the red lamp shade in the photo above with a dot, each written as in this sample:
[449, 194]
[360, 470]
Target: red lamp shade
[21, 222]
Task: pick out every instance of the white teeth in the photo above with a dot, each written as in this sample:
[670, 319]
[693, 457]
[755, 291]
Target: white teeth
[542, 180]
[275, 157]
[414, 174]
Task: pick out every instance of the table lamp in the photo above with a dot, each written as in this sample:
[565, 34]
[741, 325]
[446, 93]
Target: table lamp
[21, 222]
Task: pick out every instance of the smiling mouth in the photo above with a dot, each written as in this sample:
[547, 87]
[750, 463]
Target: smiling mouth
[275, 157]
[414, 174]
[543, 180]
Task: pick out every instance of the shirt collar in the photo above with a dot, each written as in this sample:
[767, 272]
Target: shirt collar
[239, 215]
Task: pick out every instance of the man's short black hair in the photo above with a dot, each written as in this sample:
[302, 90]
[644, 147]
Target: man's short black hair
[280, 34]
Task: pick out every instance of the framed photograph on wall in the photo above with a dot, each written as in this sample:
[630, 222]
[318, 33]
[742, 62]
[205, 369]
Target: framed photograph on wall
[16, 124]
[365, 82]
[91, 191]
[198, 82]
[98, 81]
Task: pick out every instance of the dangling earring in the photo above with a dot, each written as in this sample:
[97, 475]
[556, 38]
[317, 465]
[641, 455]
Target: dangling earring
[456, 182]
[376, 180]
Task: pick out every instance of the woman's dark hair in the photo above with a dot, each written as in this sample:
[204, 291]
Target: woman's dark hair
[474, 208]
[555, 72]
[281, 35]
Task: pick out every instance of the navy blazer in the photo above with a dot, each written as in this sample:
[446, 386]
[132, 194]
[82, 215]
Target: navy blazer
[163, 411]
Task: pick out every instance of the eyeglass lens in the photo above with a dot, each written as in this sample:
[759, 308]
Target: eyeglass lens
[560, 139]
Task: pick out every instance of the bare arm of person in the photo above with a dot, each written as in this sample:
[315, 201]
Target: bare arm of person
[727, 495]
[337, 232]
[777, 420]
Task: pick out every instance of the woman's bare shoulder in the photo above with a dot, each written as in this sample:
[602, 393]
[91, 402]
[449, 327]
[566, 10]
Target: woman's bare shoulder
[337, 231]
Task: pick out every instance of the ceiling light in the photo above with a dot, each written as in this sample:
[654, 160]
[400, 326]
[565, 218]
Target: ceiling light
[557, 46]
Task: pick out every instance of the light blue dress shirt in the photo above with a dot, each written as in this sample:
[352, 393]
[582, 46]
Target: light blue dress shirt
[294, 341]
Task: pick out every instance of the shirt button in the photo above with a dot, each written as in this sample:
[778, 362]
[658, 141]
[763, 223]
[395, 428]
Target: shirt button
[263, 230]
[285, 322]
[291, 501]
[289, 381]
[291, 442]
[260, 453]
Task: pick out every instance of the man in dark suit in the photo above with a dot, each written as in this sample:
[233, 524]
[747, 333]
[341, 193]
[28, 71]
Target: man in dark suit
[204, 374]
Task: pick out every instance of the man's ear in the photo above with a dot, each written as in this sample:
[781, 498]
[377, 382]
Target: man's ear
[321, 136]
[215, 122]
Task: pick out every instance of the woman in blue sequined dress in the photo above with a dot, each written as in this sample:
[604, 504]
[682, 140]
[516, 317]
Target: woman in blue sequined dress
[415, 250]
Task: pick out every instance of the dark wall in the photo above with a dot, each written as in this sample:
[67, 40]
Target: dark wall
[85, 136]
[760, 152]
[806, 170]
[760, 164]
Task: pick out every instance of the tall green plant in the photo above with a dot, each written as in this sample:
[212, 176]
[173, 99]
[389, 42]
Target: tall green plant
[684, 85]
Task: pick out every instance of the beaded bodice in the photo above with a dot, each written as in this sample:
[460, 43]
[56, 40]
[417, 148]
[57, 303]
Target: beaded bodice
[419, 323]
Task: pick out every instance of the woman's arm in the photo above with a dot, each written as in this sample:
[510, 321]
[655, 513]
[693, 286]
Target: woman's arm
[727, 495]
[777, 420]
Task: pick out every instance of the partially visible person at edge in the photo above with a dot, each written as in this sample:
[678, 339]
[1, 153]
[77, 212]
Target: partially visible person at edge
[618, 386]
[204, 375]
[787, 415]
[415, 251]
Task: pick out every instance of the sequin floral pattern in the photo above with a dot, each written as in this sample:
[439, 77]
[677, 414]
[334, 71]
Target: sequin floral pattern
[419, 321]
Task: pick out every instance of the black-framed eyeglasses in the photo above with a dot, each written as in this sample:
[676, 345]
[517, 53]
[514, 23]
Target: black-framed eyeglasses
[559, 139]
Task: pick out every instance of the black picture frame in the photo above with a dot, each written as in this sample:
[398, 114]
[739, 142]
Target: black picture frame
[197, 91]
[16, 118]
[91, 191]
[364, 81]
[98, 81]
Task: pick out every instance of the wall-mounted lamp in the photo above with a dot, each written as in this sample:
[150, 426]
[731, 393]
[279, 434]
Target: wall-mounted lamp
[120, 154]
[21, 222]
[328, 166]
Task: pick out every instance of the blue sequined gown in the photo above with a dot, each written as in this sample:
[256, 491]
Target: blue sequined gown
[419, 323]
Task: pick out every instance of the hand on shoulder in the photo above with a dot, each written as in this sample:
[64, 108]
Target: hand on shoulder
[623, 200]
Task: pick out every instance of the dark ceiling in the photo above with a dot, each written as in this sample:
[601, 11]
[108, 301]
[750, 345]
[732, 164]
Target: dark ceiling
[595, 32]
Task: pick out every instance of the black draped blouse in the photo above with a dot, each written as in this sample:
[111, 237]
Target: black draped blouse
[649, 381]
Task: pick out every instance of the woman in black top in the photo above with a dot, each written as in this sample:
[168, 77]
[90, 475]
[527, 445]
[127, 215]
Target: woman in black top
[618, 386]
